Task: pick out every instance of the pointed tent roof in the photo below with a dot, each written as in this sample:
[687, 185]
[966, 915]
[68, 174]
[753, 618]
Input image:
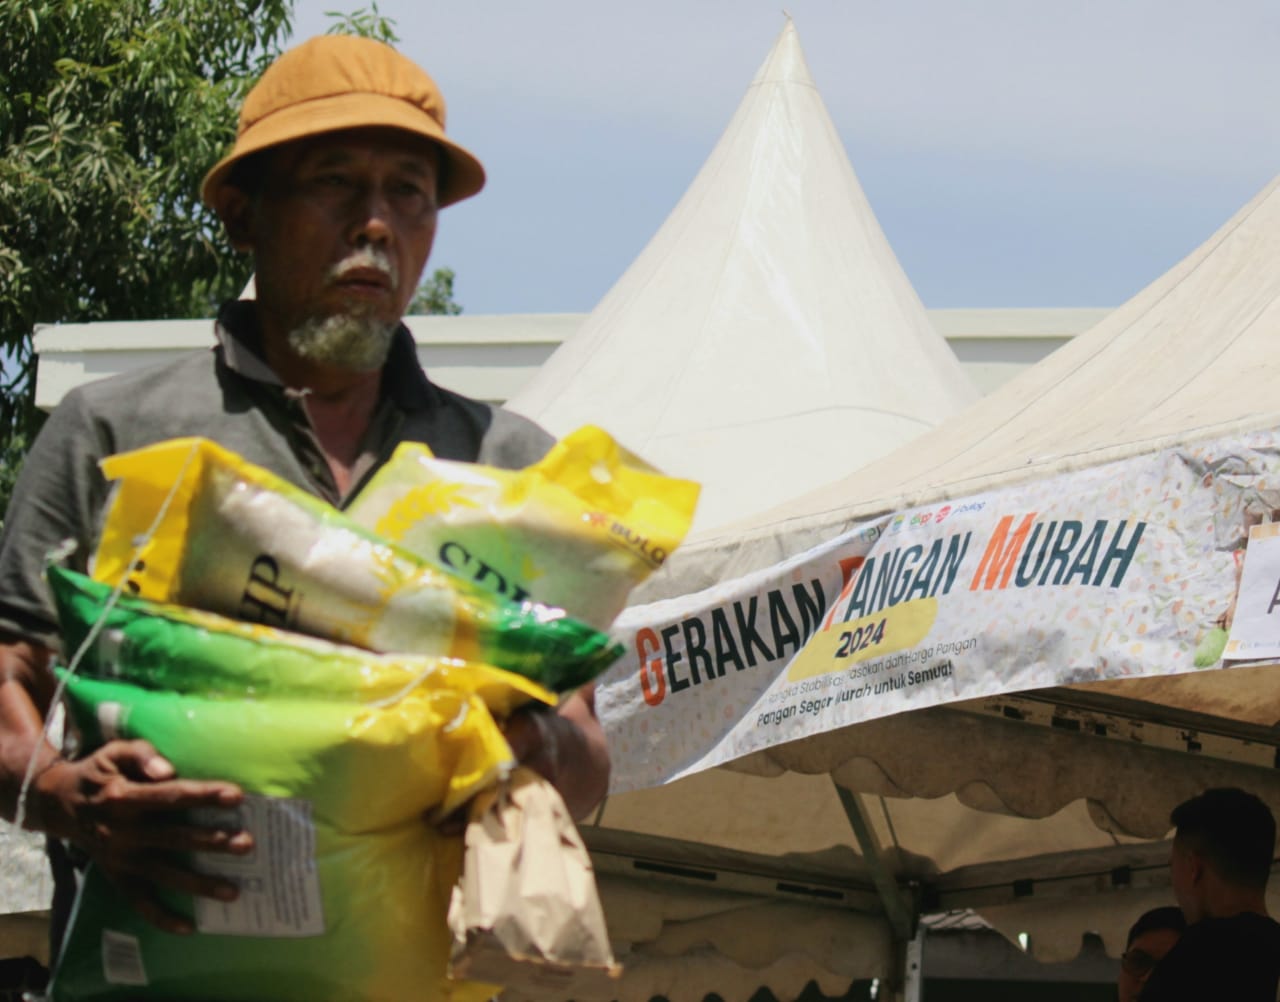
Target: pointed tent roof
[766, 340]
[1190, 357]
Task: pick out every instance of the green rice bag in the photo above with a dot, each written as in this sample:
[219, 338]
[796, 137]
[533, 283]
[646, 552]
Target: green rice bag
[343, 754]
[170, 647]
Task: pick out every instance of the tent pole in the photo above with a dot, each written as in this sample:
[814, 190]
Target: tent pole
[913, 973]
[897, 909]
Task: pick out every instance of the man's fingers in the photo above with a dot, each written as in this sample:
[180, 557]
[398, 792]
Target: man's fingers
[127, 836]
[172, 795]
[125, 806]
[138, 876]
[522, 734]
[138, 760]
[151, 870]
[138, 894]
[532, 734]
[452, 824]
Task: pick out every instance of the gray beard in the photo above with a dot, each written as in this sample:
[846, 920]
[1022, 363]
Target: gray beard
[344, 341]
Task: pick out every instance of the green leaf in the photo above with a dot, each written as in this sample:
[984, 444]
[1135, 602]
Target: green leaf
[110, 113]
[435, 295]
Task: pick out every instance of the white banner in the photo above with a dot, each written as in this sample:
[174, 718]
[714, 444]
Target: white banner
[1119, 570]
[1255, 626]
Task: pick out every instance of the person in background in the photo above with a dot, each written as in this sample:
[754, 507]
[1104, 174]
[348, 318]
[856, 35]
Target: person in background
[1150, 938]
[339, 168]
[1223, 848]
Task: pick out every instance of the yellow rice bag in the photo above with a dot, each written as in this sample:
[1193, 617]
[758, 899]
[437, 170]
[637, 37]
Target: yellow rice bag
[577, 530]
[215, 532]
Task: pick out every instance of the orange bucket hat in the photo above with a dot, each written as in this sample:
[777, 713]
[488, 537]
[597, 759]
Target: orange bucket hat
[338, 82]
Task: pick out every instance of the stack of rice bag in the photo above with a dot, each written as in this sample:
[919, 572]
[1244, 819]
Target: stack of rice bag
[350, 671]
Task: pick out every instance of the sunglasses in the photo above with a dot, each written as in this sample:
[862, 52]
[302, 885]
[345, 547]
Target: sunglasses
[1137, 962]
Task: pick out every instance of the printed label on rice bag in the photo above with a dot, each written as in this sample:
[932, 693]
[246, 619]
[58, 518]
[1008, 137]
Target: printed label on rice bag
[278, 881]
[122, 959]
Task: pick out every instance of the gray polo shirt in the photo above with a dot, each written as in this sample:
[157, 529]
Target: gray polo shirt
[229, 395]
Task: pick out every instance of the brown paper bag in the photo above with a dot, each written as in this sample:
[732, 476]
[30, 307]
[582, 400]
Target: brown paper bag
[526, 913]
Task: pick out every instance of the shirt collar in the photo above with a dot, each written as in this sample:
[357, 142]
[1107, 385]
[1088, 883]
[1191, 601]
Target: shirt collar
[403, 379]
[237, 332]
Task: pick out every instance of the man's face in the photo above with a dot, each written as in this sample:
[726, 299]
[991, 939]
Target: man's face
[1140, 959]
[340, 232]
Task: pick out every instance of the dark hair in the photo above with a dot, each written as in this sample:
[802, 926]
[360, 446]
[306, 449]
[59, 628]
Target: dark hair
[1233, 830]
[1168, 917]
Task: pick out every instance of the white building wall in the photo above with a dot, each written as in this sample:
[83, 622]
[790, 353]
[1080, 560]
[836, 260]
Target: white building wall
[490, 357]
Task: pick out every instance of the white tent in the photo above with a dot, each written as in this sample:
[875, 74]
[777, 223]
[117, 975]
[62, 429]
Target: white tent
[1190, 357]
[768, 311]
[1031, 782]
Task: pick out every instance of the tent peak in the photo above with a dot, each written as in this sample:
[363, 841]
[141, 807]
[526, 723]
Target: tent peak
[785, 62]
[737, 349]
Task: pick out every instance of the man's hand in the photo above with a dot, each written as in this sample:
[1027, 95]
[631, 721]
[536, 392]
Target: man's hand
[126, 809]
[122, 805]
[566, 746]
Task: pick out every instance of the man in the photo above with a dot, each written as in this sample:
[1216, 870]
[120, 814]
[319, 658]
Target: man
[340, 164]
[1150, 938]
[1223, 848]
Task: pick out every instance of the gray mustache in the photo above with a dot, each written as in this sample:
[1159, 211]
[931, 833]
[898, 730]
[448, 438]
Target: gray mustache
[366, 257]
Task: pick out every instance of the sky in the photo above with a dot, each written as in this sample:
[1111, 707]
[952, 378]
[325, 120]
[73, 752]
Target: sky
[1017, 153]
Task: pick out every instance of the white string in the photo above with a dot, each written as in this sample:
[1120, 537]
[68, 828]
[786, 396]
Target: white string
[139, 544]
[408, 687]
